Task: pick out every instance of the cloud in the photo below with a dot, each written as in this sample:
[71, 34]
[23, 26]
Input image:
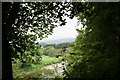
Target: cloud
[67, 31]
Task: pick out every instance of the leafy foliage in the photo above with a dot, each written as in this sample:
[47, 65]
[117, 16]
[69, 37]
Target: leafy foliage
[20, 19]
[96, 49]
[25, 22]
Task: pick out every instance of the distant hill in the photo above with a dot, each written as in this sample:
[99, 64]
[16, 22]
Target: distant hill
[58, 41]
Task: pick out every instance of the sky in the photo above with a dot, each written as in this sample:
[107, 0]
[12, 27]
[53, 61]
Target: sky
[66, 31]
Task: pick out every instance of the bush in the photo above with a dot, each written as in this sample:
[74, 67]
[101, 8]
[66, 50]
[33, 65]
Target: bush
[26, 66]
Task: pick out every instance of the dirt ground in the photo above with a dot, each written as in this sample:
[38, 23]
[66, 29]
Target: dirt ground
[53, 66]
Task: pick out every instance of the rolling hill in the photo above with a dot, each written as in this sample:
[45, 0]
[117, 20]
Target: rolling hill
[57, 41]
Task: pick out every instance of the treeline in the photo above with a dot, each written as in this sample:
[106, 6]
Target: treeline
[56, 49]
[59, 46]
[33, 53]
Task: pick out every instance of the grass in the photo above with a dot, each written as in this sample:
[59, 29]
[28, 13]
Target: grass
[35, 68]
[49, 60]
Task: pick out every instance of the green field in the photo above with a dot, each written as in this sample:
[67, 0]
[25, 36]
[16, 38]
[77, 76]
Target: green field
[35, 68]
[48, 60]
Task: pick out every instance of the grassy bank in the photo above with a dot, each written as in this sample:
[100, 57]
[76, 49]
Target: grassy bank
[35, 68]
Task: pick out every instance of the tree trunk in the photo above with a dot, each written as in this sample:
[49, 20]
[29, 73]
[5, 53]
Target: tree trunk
[6, 58]
[9, 14]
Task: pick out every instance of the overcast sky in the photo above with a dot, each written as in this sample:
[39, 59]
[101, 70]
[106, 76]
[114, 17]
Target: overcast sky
[67, 31]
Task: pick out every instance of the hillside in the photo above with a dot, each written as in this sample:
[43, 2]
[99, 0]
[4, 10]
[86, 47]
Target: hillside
[57, 41]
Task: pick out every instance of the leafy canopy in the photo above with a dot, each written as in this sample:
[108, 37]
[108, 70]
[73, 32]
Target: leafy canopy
[96, 49]
[26, 21]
